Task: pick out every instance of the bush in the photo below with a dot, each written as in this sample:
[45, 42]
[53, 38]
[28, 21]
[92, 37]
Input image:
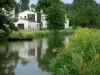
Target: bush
[2, 35]
[82, 55]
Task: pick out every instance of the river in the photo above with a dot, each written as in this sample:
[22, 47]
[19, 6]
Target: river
[29, 57]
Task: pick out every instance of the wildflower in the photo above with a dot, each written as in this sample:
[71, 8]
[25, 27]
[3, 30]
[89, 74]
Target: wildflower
[97, 56]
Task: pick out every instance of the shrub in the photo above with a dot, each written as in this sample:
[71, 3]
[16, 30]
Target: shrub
[82, 55]
[2, 35]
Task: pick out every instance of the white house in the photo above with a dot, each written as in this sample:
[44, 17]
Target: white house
[31, 20]
[28, 20]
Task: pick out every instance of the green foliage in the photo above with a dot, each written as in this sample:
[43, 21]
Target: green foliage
[55, 10]
[78, 3]
[60, 62]
[7, 4]
[30, 34]
[7, 56]
[67, 32]
[24, 5]
[6, 23]
[43, 4]
[86, 16]
[41, 24]
[17, 9]
[82, 55]
[72, 15]
[98, 22]
[46, 4]
[33, 6]
[37, 33]
[2, 35]
[83, 13]
[55, 18]
[55, 43]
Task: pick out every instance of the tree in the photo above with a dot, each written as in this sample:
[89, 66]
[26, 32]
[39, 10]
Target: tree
[17, 9]
[6, 23]
[56, 17]
[45, 4]
[83, 13]
[55, 13]
[24, 5]
[42, 4]
[78, 3]
[68, 7]
[86, 16]
[97, 22]
[33, 6]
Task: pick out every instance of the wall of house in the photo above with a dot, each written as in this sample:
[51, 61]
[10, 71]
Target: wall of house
[28, 25]
[66, 23]
[44, 22]
[34, 26]
[20, 21]
[23, 14]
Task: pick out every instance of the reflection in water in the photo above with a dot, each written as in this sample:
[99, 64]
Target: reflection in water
[28, 58]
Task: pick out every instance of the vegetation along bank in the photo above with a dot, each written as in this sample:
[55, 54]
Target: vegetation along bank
[38, 33]
[81, 55]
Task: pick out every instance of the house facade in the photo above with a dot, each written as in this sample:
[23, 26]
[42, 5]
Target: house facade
[28, 20]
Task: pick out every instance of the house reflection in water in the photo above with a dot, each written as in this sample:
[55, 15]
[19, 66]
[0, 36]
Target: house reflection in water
[30, 50]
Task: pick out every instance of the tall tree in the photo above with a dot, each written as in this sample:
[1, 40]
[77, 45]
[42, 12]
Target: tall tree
[6, 21]
[33, 7]
[56, 16]
[17, 9]
[86, 16]
[45, 4]
[78, 3]
[83, 13]
[24, 5]
[83, 2]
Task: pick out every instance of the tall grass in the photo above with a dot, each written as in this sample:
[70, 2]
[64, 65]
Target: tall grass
[81, 56]
[37, 33]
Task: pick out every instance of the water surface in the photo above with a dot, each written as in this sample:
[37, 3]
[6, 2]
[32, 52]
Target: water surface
[29, 57]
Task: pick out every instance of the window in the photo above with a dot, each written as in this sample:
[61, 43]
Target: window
[21, 17]
[31, 17]
[21, 26]
[24, 17]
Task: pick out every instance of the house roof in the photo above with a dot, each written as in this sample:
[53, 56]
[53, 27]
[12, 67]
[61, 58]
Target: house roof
[28, 12]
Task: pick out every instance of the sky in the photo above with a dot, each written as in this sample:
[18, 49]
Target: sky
[65, 1]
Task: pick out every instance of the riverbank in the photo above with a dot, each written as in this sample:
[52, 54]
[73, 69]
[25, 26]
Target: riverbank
[38, 33]
[81, 55]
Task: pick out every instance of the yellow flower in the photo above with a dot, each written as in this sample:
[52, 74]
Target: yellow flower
[97, 56]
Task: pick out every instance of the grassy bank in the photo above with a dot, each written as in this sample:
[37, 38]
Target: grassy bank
[37, 33]
[81, 55]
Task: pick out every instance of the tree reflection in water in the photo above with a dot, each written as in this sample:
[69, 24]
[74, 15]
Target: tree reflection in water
[8, 61]
[54, 41]
[36, 55]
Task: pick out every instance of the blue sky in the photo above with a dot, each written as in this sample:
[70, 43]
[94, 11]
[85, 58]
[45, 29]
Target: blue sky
[66, 1]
